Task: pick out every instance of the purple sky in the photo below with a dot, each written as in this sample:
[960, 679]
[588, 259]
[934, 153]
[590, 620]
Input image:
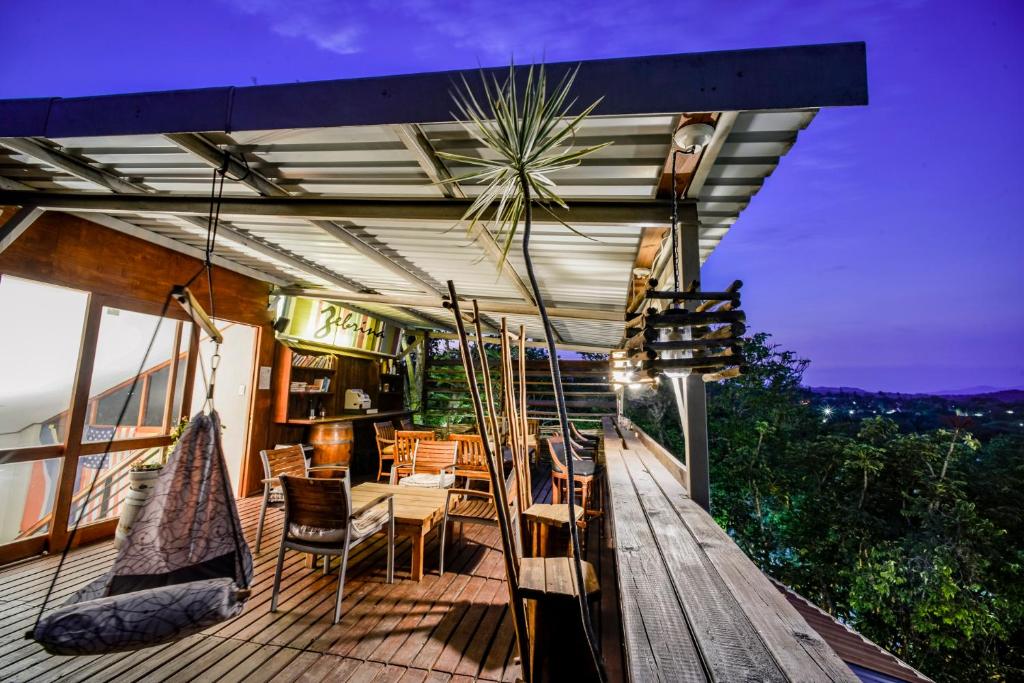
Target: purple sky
[888, 245]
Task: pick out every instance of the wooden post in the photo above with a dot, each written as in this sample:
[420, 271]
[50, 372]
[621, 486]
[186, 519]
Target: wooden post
[691, 399]
[59, 535]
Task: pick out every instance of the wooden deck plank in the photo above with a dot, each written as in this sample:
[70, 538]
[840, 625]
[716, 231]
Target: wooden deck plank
[728, 642]
[659, 643]
[799, 651]
[389, 632]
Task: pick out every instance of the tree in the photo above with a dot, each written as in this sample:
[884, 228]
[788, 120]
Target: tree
[913, 536]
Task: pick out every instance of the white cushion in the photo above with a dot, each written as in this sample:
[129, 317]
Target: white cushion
[370, 520]
[315, 534]
[429, 481]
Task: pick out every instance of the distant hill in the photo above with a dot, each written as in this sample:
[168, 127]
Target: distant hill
[982, 392]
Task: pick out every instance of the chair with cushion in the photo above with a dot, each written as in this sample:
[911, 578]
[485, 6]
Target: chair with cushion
[319, 519]
[282, 460]
[586, 440]
[433, 465]
[385, 432]
[586, 472]
[405, 444]
[472, 462]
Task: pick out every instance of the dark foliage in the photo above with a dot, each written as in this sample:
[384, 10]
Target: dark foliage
[911, 536]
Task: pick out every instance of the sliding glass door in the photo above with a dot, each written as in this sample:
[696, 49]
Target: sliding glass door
[78, 371]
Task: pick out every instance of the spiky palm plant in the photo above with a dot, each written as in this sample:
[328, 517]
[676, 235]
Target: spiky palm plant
[531, 134]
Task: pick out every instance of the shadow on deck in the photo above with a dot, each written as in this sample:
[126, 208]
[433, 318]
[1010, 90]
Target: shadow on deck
[451, 628]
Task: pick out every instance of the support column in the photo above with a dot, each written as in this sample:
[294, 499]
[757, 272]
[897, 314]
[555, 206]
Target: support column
[691, 399]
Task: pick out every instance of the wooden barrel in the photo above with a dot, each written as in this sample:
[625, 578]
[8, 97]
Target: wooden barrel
[332, 443]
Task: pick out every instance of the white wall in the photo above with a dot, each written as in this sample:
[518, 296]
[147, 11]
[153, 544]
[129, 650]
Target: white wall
[233, 390]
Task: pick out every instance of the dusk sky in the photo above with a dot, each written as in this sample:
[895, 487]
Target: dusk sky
[888, 246]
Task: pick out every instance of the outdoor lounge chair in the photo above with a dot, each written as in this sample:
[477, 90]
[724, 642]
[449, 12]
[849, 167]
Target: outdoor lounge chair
[285, 460]
[432, 466]
[319, 519]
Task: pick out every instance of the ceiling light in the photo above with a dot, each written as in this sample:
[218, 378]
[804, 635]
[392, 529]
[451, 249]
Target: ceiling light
[692, 137]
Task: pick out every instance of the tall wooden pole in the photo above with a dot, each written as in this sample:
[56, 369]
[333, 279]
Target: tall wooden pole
[691, 398]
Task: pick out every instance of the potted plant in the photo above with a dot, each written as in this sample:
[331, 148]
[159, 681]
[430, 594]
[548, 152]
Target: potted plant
[529, 133]
[142, 477]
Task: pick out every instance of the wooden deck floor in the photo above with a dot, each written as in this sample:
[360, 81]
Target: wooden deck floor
[450, 628]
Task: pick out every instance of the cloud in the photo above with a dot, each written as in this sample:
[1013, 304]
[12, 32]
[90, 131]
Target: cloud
[328, 25]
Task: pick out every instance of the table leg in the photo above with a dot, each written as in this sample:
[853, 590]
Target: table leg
[418, 542]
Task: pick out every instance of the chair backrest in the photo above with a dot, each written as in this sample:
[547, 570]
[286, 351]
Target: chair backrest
[533, 426]
[285, 460]
[577, 435]
[556, 447]
[471, 450]
[430, 457]
[405, 443]
[384, 430]
[321, 503]
[407, 425]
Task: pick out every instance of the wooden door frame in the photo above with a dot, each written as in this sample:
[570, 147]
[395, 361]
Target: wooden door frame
[58, 534]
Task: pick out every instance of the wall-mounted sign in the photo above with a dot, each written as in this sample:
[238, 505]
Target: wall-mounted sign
[331, 324]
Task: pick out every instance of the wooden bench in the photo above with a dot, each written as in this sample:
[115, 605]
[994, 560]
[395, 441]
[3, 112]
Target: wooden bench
[693, 605]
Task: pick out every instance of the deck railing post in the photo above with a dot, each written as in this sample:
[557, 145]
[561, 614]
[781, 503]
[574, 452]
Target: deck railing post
[691, 399]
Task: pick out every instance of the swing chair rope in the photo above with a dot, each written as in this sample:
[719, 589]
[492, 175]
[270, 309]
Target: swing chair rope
[213, 220]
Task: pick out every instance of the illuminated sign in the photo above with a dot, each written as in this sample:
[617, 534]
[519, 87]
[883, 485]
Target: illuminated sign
[331, 324]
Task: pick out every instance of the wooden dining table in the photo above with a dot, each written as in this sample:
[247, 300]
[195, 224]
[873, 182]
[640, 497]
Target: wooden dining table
[417, 512]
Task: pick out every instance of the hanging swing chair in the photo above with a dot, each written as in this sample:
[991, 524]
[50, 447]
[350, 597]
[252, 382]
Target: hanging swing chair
[184, 565]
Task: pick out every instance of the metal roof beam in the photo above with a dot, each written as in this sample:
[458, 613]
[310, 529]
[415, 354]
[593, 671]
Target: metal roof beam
[619, 213]
[213, 156]
[17, 224]
[174, 245]
[81, 168]
[488, 339]
[771, 78]
[416, 142]
[491, 306]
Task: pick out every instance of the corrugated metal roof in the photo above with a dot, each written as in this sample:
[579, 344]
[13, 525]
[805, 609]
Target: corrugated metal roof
[397, 257]
[852, 647]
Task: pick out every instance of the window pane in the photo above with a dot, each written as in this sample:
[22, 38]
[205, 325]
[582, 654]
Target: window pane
[28, 490]
[120, 350]
[111, 483]
[38, 359]
[156, 398]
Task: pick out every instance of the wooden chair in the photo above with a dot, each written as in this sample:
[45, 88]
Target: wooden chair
[405, 445]
[533, 437]
[385, 432]
[406, 425]
[586, 471]
[586, 440]
[432, 466]
[319, 519]
[469, 506]
[472, 462]
[287, 460]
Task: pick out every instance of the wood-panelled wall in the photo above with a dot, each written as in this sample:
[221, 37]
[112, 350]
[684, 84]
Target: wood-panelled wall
[65, 250]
